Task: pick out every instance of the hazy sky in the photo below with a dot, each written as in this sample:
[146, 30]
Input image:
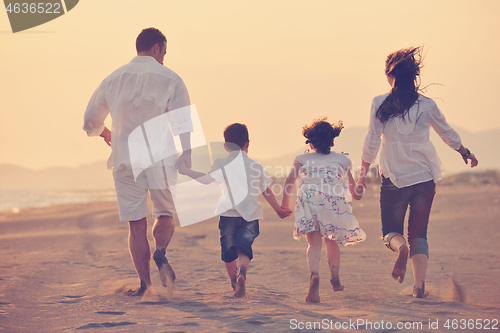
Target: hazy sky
[273, 65]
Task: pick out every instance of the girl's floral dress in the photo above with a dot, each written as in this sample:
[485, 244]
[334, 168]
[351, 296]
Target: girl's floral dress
[324, 202]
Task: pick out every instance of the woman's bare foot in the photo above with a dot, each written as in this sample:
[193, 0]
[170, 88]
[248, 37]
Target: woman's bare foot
[313, 294]
[419, 292]
[399, 270]
[239, 290]
[336, 284]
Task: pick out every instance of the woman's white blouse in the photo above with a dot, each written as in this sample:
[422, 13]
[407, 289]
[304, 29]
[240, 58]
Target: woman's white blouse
[407, 156]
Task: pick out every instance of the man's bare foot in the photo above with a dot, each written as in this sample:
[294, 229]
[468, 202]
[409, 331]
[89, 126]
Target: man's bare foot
[164, 267]
[336, 284]
[141, 290]
[313, 294]
[239, 290]
[399, 270]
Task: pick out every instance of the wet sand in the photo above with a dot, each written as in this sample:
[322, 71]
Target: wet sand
[67, 268]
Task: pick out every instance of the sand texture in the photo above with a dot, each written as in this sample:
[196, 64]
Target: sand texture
[67, 268]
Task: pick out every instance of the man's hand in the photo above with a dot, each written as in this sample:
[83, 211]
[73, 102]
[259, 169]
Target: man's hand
[185, 159]
[183, 169]
[106, 135]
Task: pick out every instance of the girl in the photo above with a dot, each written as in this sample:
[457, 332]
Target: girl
[323, 208]
[409, 164]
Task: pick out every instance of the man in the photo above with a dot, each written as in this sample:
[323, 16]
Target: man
[137, 93]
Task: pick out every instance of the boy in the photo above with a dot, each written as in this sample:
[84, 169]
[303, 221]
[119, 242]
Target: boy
[238, 208]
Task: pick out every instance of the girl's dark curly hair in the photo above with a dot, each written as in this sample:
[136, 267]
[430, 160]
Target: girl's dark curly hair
[321, 134]
[405, 66]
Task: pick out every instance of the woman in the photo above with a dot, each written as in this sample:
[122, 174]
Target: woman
[409, 164]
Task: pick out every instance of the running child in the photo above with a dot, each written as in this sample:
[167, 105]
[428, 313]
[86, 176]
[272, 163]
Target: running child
[239, 219]
[323, 207]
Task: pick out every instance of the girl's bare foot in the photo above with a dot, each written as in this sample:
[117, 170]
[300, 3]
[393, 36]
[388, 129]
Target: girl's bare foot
[399, 270]
[313, 294]
[239, 290]
[336, 284]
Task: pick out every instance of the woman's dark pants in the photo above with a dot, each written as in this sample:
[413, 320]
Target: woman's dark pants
[394, 202]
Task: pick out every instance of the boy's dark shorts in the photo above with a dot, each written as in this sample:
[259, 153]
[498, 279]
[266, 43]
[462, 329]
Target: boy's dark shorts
[237, 233]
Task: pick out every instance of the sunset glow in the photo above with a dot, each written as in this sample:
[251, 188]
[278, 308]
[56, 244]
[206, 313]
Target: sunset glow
[272, 65]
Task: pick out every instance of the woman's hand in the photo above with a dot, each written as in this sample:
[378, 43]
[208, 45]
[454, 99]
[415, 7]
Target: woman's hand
[467, 155]
[472, 158]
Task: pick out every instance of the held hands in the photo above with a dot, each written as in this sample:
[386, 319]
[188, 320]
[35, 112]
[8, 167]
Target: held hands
[284, 212]
[182, 168]
[359, 190]
[185, 159]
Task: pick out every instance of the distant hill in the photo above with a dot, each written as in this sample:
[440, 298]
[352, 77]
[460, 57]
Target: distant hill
[488, 177]
[351, 140]
[85, 177]
[96, 176]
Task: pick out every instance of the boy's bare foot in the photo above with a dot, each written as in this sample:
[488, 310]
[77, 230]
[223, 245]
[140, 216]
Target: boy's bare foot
[399, 270]
[313, 294]
[164, 267]
[239, 290]
[336, 284]
[141, 290]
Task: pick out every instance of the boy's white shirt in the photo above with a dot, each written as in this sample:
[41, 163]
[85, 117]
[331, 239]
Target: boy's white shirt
[247, 180]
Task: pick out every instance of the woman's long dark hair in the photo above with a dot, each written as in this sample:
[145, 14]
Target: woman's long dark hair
[405, 66]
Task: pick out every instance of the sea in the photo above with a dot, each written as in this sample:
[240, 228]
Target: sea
[188, 195]
[16, 200]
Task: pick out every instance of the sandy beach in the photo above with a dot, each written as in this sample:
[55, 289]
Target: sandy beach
[67, 268]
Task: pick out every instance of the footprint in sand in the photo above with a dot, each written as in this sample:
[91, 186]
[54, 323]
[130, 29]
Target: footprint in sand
[100, 325]
[189, 324]
[114, 313]
[72, 299]
[255, 322]
[210, 310]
